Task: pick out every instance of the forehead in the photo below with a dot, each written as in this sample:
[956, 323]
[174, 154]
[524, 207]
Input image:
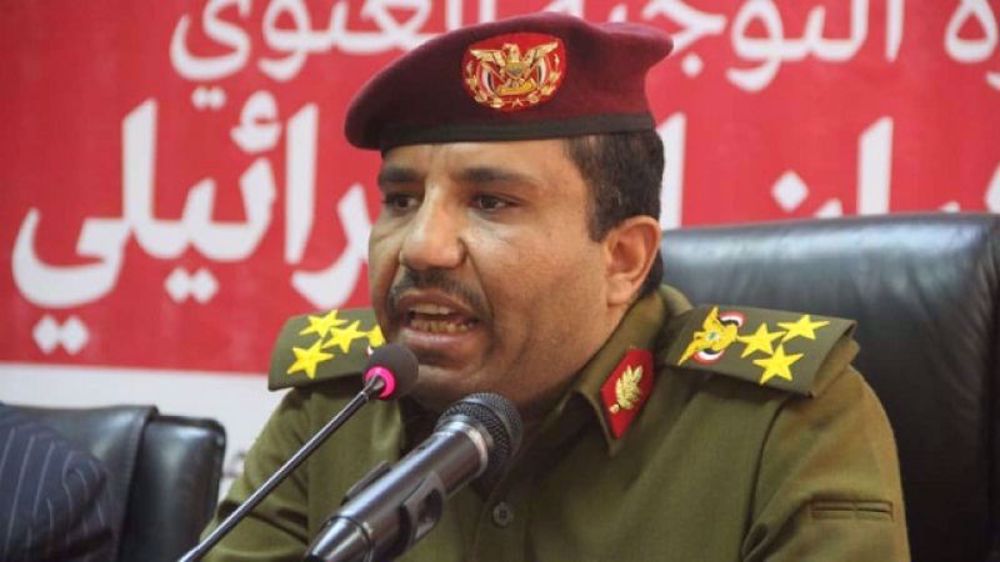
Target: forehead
[545, 162]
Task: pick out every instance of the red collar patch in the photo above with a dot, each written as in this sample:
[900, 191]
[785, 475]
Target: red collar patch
[626, 390]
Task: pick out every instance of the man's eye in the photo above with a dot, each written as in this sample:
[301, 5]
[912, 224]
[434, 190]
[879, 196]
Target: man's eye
[399, 201]
[490, 203]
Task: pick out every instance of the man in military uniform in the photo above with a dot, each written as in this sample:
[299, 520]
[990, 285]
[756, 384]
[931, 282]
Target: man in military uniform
[517, 252]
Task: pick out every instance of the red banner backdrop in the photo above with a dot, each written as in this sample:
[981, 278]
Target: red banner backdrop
[175, 179]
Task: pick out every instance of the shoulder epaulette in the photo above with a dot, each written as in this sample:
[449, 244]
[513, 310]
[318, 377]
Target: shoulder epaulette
[768, 347]
[317, 347]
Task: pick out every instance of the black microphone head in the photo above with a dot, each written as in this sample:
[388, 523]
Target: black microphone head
[499, 417]
[396, 366]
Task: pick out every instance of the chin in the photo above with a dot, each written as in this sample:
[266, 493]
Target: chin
[438, 388]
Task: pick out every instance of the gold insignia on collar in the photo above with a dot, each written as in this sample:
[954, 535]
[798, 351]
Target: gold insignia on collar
[627, 390]
[514, 71]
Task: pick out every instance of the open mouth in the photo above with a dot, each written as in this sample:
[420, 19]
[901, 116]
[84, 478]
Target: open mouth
[438, 319]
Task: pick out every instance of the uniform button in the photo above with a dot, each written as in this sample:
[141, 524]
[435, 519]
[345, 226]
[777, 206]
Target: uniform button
[503, 514]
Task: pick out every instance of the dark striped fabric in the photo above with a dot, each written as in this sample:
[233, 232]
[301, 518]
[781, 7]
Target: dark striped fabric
[53, 500]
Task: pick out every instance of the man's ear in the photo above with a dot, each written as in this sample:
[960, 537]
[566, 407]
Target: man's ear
[630, 248]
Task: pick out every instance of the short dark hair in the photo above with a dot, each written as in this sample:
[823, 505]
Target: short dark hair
[624, 172]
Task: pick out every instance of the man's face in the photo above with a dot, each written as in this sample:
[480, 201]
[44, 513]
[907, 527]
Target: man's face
[480, 262]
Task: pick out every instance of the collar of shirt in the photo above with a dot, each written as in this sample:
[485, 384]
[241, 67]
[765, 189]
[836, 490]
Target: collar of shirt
[643, 327]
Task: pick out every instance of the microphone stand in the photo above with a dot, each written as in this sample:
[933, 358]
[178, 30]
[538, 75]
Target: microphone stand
[372, 389]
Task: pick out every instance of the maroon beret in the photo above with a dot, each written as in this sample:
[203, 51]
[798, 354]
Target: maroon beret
[542, 75]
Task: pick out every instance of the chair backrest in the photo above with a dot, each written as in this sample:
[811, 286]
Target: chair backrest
[164, 473]
[925, 290]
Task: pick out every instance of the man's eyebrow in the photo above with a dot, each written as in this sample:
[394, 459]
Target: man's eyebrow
[493, 174]
[393, 174]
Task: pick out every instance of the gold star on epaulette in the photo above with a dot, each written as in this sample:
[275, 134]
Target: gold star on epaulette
[375, 337]
[306, 359]
[777, 365]
[343, 337]
[320, 325]
[314, 348]
[789, 351]
[761, 340]
[803, 327]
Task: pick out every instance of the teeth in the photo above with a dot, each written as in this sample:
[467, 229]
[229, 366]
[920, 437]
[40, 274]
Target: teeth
[431, 309]
[438, 326]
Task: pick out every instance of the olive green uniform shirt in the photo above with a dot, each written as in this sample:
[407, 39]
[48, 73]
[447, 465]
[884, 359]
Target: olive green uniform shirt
[713, 468]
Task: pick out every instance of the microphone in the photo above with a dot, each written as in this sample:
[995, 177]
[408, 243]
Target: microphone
[391, 509]
[391, 373]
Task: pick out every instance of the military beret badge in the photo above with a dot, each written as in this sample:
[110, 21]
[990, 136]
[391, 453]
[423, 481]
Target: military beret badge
[514, 71]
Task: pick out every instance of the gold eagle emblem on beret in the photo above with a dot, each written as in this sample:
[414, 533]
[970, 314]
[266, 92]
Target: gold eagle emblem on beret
[506, 74]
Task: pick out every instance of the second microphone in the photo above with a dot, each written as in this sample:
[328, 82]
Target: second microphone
[392, 508]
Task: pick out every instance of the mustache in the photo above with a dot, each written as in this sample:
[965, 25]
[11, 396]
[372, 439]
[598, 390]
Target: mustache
[435, 279]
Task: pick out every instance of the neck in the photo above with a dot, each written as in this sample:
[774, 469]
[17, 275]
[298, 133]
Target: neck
[535, 409]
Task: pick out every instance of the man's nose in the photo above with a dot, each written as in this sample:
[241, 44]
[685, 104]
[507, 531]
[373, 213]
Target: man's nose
[433, 239]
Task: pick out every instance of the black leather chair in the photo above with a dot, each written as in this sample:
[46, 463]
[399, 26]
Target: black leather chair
[925, 290]
[163, 471]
